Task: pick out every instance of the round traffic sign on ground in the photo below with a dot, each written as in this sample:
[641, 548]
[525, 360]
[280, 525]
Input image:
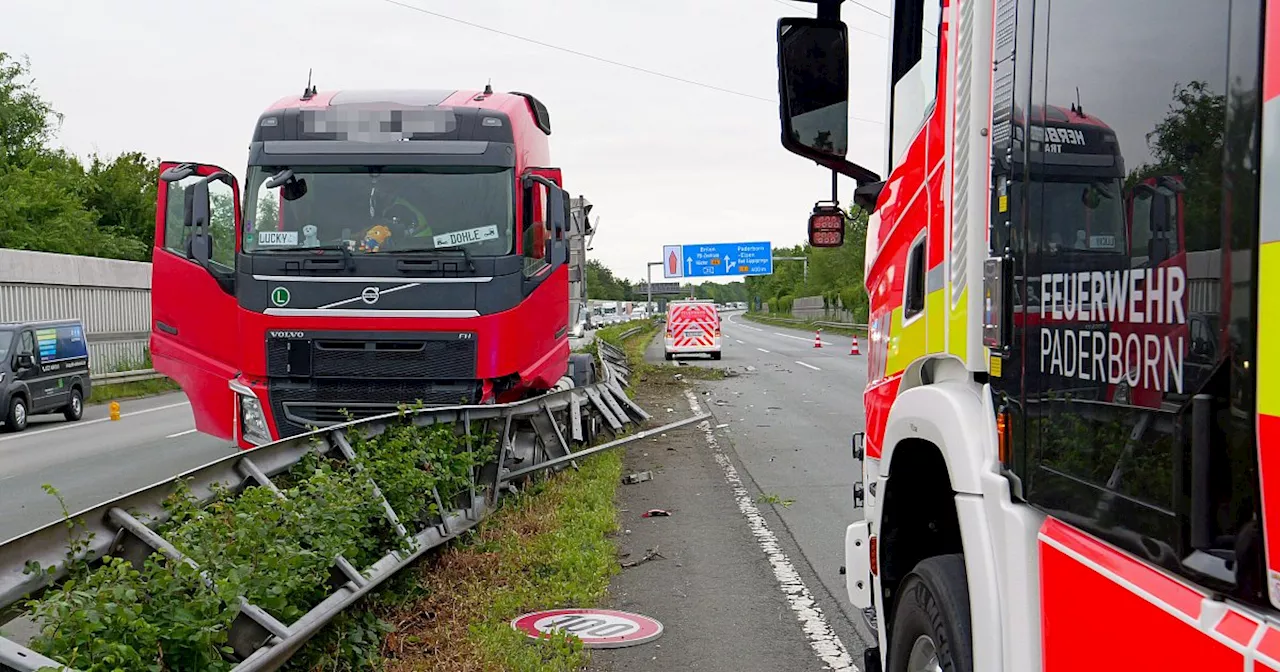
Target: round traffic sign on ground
[597, 628]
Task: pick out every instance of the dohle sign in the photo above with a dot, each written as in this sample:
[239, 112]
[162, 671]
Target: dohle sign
[597, 628]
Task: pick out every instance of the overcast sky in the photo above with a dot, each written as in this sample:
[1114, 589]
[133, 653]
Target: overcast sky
[663, 161]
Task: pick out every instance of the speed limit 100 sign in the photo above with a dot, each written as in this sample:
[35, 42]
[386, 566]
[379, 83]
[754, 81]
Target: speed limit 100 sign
[597, 628]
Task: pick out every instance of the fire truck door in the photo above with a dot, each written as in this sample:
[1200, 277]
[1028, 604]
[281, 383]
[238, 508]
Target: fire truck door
[193, 302]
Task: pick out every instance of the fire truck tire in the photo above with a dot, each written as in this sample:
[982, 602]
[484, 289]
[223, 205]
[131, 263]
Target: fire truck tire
[931, 627]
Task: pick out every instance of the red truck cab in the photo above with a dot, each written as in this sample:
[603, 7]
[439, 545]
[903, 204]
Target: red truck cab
[390, 247]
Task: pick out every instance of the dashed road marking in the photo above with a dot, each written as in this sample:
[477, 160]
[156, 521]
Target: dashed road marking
[822, 639]
[174, 436]
[763, 350]
[82, 423]
[739, 342]
[808, 365]
[802, 338]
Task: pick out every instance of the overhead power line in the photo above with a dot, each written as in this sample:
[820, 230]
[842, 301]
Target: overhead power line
[593, 57]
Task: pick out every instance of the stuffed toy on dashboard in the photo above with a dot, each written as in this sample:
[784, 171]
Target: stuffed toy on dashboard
[375, 238]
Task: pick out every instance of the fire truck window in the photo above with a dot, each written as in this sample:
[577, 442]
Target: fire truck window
[1127, 322]
[915, 68]
[913, 299]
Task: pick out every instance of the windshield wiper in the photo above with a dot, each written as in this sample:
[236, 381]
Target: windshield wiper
[471, 264]
[347, 260]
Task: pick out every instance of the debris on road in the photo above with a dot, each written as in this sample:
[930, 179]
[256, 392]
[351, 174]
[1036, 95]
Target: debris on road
[651, 554]
[655, 513]
[638, 477]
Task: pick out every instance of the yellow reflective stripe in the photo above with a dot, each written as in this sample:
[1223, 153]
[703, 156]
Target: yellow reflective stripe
[958, 339]
[1269, 328]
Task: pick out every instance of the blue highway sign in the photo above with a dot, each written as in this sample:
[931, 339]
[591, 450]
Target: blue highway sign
[717, 259]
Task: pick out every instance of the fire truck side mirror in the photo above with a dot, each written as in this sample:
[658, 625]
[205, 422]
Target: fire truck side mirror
[813, 93]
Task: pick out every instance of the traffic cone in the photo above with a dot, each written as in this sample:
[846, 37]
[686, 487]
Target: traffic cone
[817, 339]
[853, 349]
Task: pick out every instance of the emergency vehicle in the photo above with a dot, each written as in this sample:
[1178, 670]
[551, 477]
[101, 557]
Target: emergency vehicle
[388, 246]
[1020, 508]
[693, 327]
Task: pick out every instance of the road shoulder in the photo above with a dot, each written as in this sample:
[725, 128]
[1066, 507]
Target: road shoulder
[721, 583]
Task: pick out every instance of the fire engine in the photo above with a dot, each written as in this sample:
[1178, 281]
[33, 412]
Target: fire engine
[1071, 455]
[391, 247]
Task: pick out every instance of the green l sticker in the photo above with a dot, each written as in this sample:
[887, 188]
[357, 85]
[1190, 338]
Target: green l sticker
[280, 297]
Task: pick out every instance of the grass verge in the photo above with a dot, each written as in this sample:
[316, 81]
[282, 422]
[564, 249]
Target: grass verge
[549, 547]
[635, 346]
[775, 321]
[100, 394]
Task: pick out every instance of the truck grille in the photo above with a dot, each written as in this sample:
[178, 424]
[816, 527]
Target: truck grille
[322, 402]
[314, 377]
[442, 357]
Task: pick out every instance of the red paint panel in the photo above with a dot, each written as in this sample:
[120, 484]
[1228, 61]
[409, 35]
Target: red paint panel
[1237, 627]
[1263, 667]
[1088, 619]
[1269, 470]
[1270, 644]
[1271, 61]
[877, 402]
[1172, 592]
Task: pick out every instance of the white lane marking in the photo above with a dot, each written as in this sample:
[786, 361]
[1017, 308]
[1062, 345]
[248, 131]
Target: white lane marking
[174, 436]
[763, 350]
[822, 639]
[825, 342]
[739, 342]
[808, 365]
[740, 324]
[82, 423]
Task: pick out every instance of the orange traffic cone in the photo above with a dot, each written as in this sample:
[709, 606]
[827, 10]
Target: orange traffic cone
[817, 339]
[853, 349]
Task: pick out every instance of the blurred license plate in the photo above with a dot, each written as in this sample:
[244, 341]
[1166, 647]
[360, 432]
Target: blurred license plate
[693, 331]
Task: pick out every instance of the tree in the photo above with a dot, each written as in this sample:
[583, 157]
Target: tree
[48, 200]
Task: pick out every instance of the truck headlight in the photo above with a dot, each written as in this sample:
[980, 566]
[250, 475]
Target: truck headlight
[253, 422]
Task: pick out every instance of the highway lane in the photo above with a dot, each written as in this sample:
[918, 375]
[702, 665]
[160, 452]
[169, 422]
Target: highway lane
[97, 459]
[791, 413]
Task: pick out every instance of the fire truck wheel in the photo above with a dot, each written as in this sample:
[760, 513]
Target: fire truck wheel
[931, 624]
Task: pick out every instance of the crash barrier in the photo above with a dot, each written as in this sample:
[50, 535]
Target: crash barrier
[117, 377]
[817, 323]
[550, 431]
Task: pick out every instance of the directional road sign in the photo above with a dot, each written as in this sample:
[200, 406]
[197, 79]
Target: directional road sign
[717, 259]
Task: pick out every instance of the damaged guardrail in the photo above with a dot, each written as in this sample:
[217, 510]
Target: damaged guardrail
[394, 524]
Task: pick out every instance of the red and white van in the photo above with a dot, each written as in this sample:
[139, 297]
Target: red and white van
[693, 326]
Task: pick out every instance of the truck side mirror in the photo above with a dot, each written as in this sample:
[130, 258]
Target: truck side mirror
[195, 214]
[26, 361]
[813, 93]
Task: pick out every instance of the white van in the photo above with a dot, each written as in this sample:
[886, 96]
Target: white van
[693, 327]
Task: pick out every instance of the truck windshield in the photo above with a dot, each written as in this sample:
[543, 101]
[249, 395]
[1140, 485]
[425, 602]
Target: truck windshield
[370, 210]
[1083, 216]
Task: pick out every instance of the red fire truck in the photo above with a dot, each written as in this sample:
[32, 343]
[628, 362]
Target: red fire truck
[1005, 520]
[391, 247]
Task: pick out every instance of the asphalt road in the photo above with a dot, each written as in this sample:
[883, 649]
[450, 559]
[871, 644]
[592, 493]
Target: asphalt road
[791, 413]
[97, 459]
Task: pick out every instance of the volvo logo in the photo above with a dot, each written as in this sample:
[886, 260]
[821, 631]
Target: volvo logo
[369, 295]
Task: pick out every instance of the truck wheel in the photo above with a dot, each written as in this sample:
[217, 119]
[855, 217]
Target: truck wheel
[583, 369]
[16, 419]
[715, 356]
[75, 408]
[931, 627]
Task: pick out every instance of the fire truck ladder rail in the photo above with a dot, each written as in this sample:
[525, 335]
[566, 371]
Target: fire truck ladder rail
[537, 434]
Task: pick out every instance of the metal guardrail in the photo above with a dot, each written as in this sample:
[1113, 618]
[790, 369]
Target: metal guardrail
[819, 323]
[117, 377]
[530, 434]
